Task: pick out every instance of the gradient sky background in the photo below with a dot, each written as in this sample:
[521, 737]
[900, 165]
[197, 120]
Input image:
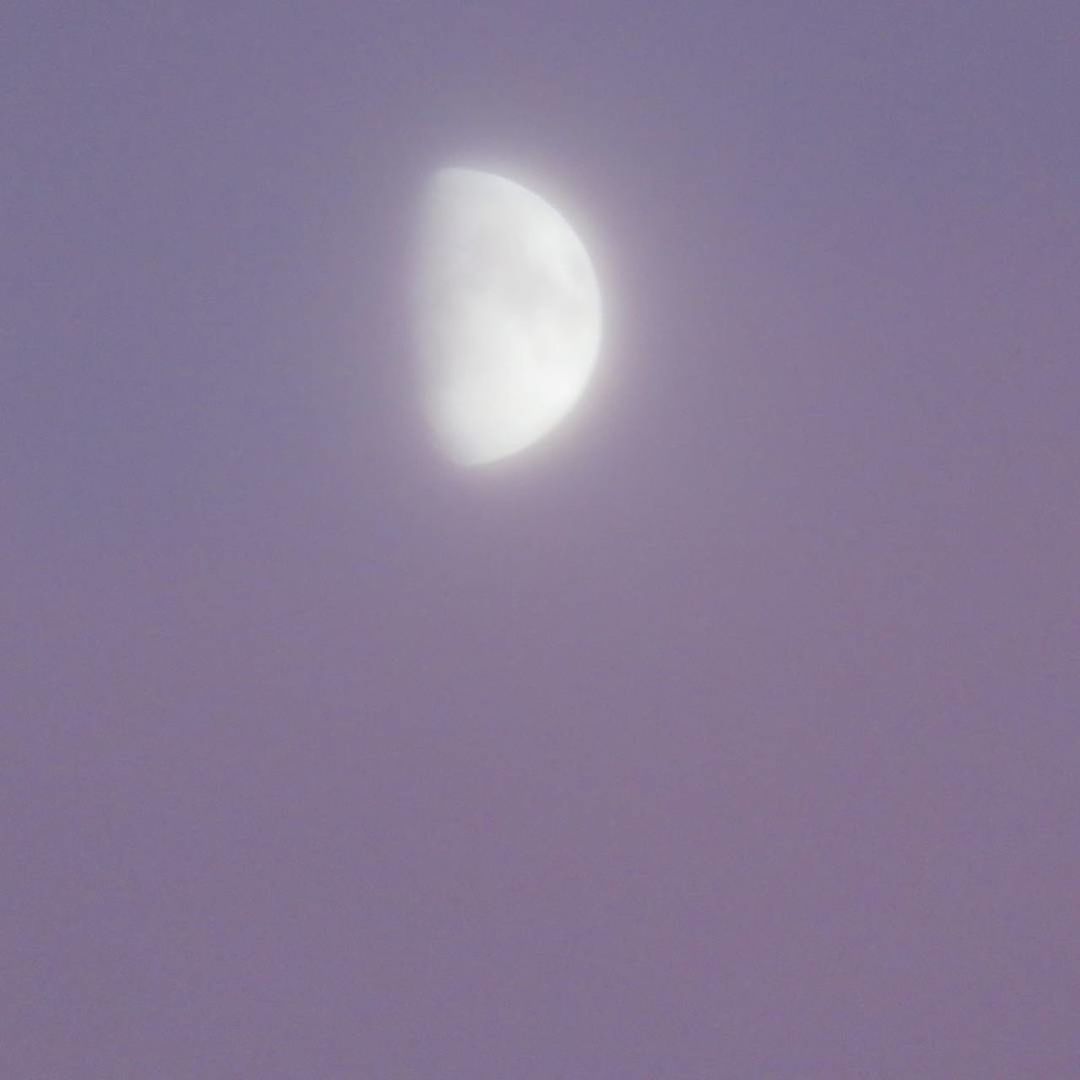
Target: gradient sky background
[732, 734]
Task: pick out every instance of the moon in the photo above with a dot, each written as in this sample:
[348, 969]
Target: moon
[508, 315]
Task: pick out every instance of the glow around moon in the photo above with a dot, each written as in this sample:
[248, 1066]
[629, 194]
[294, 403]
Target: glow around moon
[508, 315]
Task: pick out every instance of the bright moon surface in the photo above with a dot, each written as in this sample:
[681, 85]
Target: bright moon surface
[508, 315]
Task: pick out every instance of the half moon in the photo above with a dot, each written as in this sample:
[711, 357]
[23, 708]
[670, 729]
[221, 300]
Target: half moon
[508, 314]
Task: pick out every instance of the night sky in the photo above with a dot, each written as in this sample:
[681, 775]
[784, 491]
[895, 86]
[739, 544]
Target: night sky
[732, 732]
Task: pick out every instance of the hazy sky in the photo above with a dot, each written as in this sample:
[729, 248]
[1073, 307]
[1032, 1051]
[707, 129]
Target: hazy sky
[734, 734]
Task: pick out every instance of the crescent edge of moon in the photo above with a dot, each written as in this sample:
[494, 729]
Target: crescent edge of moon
[508, 315]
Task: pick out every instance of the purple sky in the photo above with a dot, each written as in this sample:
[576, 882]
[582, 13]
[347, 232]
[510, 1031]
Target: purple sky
[736, 734]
